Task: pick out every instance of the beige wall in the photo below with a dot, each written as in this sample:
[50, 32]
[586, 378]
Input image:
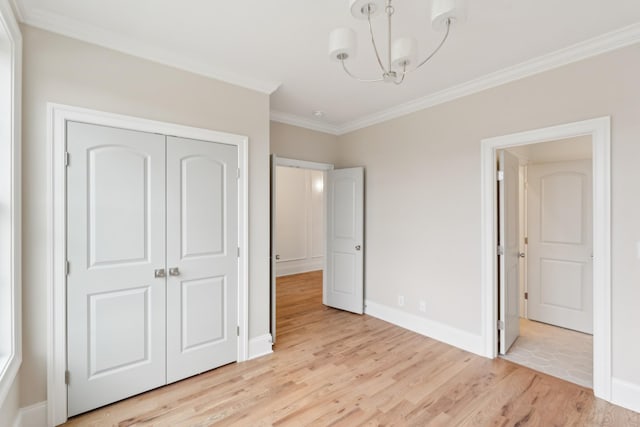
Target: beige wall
[63, 70]
[303, 144]
[423, 190]
[10, 406]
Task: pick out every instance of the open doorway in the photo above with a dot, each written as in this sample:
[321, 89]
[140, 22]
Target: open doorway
[298, 223]
[599, 129]
[546, 271]
[333, 240]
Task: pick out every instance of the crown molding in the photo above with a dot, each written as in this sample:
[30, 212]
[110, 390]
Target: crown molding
[17, 10]
[294, 120]
[109, 39]
[598, 45]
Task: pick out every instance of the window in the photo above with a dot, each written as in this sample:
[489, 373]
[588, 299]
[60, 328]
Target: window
[10, 89]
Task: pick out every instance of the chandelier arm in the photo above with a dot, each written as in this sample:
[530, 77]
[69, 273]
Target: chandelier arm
[404, 73]
[344, 67]
[375, 47]
[444, 39]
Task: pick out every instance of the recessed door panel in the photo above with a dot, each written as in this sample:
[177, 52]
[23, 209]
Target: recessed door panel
[561, 284]
[115, 241]
[344, 199]
[203, 312]
[561, 205]
[203, 208]
[202, 256]
[344, 265]
[118, 205]
[118, 330]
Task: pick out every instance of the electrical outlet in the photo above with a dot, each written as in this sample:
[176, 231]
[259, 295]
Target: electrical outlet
[422, 306]
[401, 300]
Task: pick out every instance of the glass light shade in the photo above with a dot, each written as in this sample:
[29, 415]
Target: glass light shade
[359, 8]
[404, 52]
[342, 44]
[443, 10]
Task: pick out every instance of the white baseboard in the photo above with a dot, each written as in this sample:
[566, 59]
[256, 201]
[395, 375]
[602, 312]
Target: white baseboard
[32, 416]
[260, 346]
[286, 268]
[429, 328]
[625, 394]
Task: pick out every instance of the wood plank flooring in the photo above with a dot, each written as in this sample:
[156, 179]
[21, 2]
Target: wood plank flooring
[335, 368]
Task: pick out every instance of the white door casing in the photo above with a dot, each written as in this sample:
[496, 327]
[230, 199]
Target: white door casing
[116, 239]
[560, 271]
[509, 219]
[202, 256]
[273, 247]
[343, 284]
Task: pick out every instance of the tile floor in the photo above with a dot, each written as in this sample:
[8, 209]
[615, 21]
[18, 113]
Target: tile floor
[556, 351]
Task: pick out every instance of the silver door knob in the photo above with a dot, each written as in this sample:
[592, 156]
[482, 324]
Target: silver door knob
[357, 247]
[174, 271]
[159, 273]
[521, 254]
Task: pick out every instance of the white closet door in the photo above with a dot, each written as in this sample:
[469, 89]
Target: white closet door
[202, 256]
[116, 239]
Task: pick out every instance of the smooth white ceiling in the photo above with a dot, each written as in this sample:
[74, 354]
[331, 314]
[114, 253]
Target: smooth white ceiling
[268, 44]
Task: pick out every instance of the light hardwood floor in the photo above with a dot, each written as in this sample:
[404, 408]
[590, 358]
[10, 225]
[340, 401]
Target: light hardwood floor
[335, 368]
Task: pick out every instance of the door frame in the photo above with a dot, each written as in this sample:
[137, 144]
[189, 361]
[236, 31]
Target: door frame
[291, 163]
[57, 116]
[600, 131]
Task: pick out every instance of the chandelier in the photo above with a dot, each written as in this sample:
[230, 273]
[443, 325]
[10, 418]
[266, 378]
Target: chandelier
[402, 53]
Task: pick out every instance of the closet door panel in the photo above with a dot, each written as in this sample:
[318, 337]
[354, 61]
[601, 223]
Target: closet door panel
[115, 241]
[202, 242]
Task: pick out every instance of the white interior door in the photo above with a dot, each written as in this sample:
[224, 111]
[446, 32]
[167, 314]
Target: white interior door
[509, 239]
[202, 256]
[560, 270]
[343, 279]
[116, 239]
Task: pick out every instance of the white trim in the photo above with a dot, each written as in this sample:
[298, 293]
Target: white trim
[304, 122]
[429, 328]
[260, 346]
[12, 170]
[625, 394]
[84, 31]
[599, 130]
[303, 164]
[607, 42]
[32, 416]
[58, 115]
[287, 268]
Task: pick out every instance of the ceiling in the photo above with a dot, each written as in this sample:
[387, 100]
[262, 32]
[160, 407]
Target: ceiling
[280, 46]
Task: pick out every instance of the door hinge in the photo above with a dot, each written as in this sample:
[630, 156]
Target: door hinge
[501, 325]
[67, 268]
[500, 250]
[526, 295]
[526, 240]
[67, 375]
[238, 251]
[238, 331]
[67, 158]
[500, 175]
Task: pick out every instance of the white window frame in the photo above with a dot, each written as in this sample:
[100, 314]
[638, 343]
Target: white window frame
[10, 180]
